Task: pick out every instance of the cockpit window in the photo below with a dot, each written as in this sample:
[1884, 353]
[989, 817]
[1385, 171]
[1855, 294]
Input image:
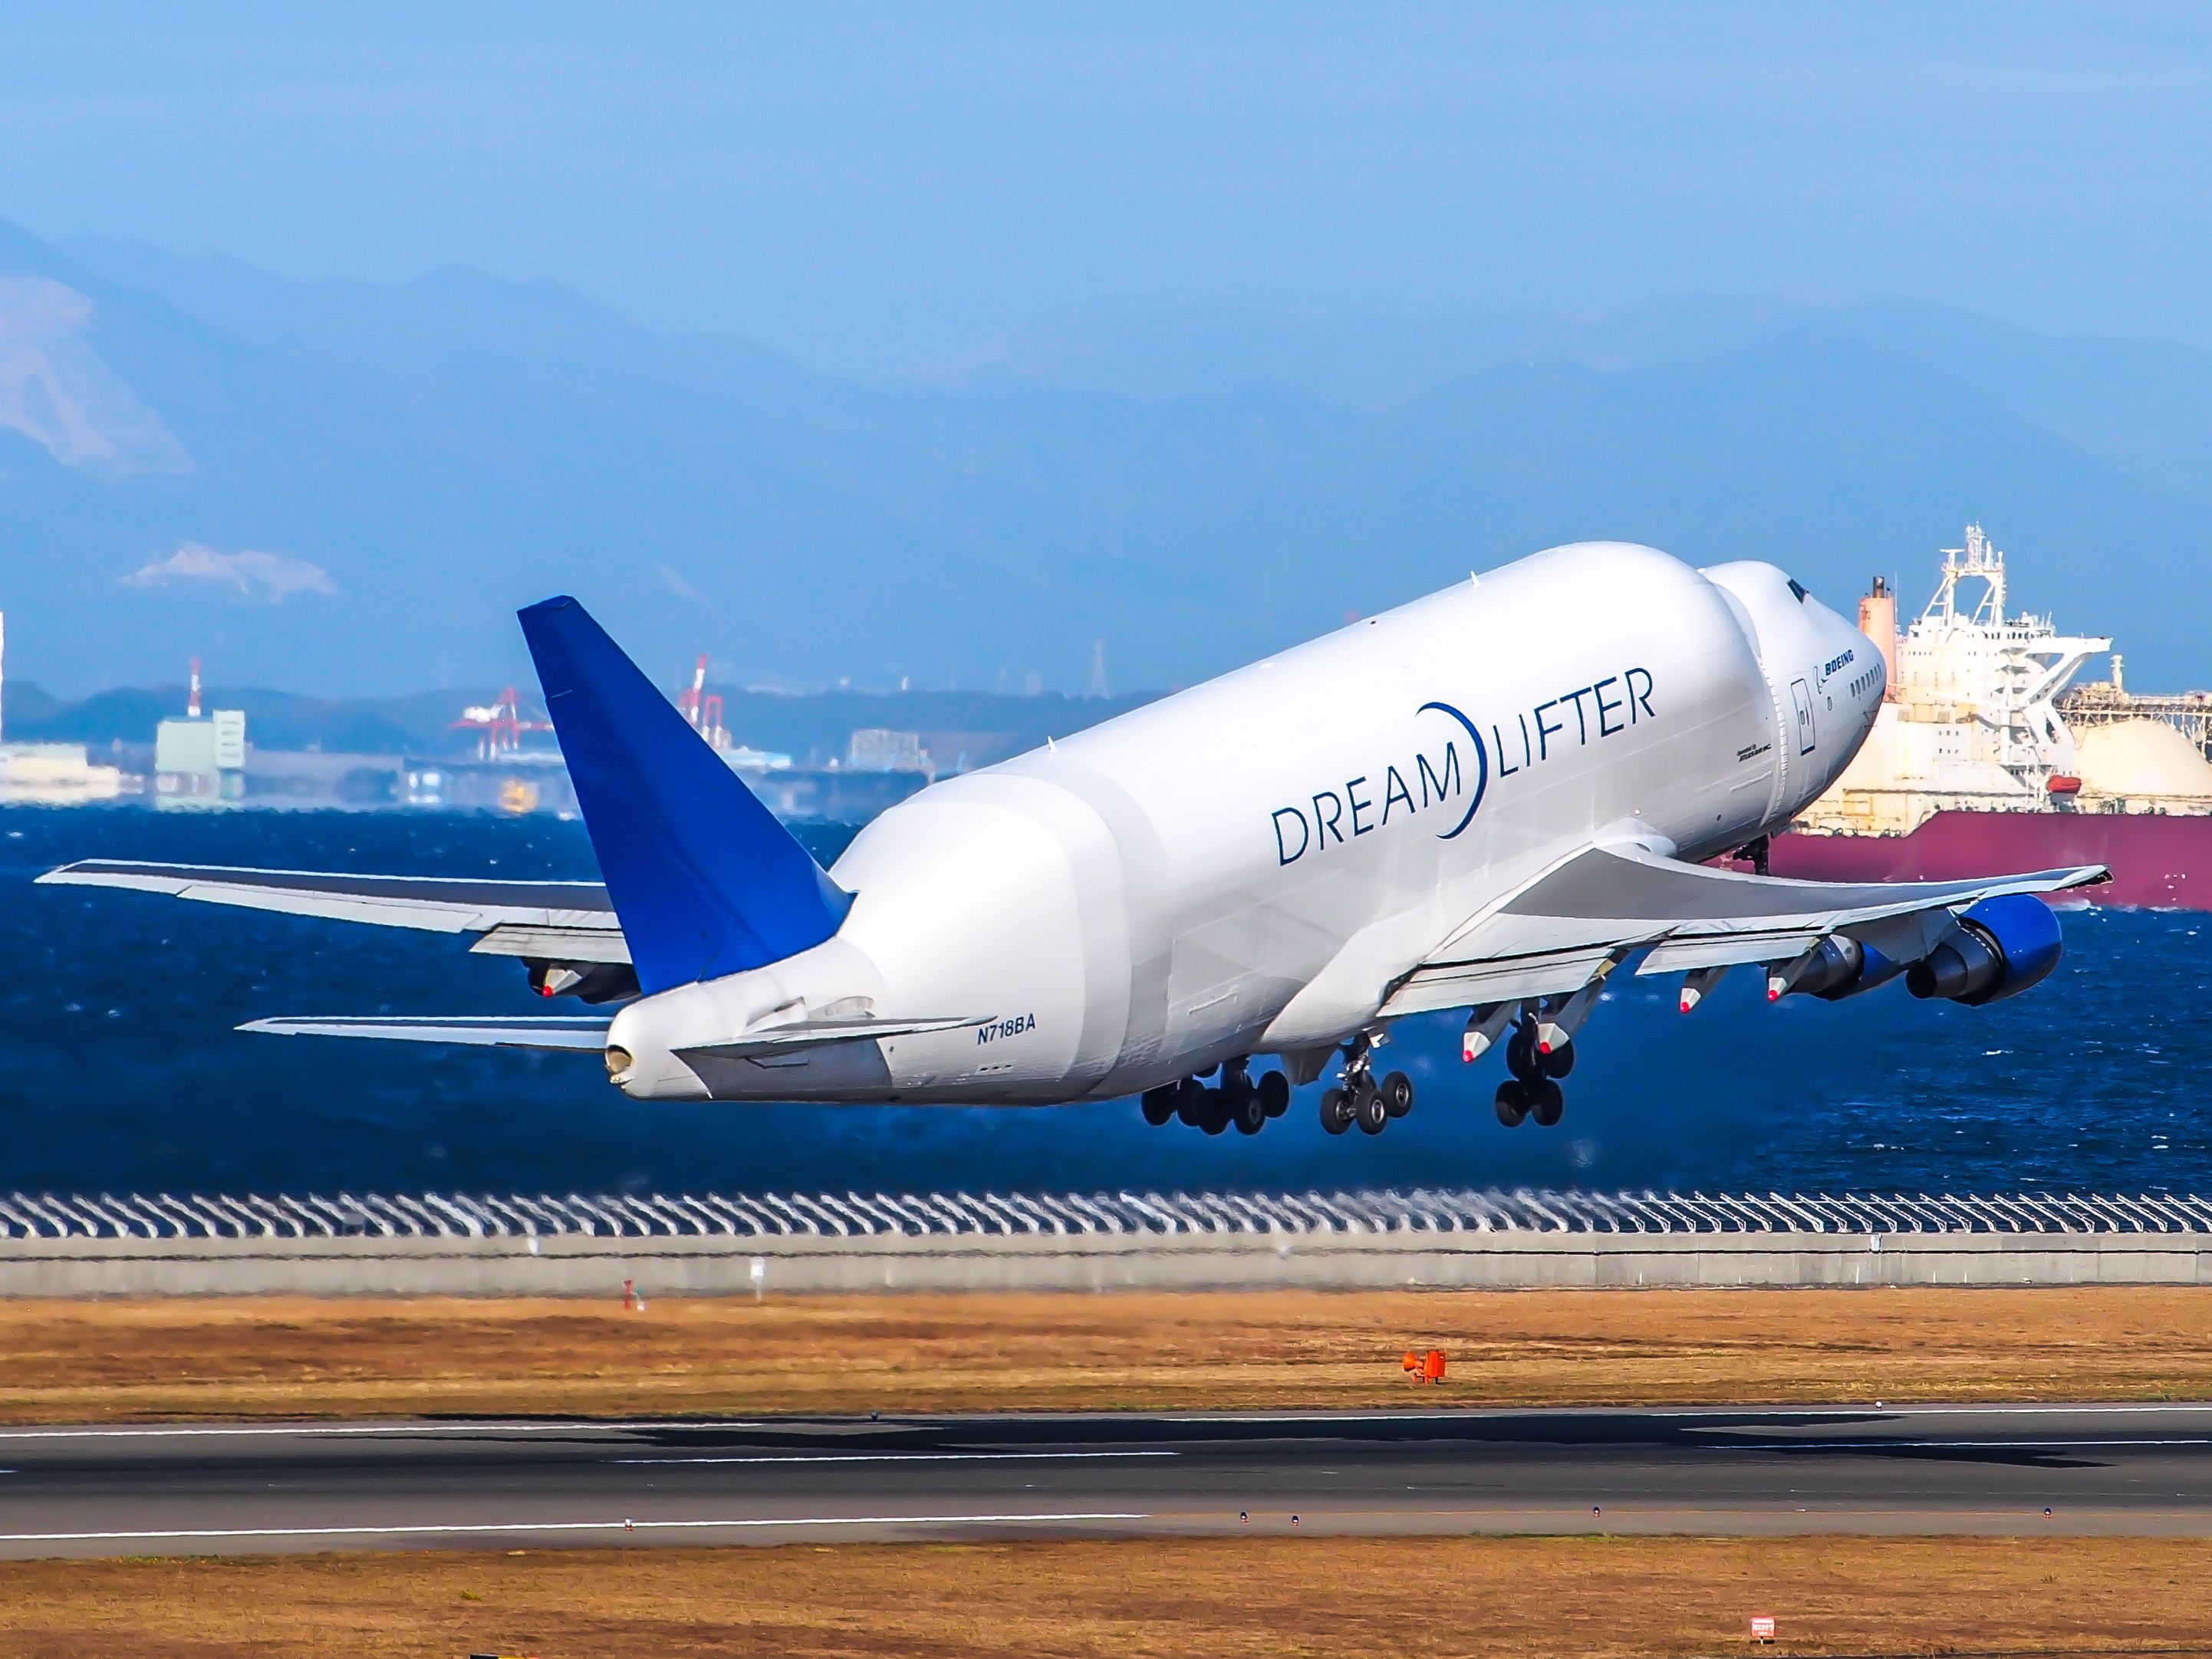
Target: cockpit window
[1798, 588]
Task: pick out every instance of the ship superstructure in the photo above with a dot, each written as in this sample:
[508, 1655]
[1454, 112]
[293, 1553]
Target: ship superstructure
[1972, 718]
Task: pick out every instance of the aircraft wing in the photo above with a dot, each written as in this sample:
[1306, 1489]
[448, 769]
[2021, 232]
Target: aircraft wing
[1590, 912]
[558, 921]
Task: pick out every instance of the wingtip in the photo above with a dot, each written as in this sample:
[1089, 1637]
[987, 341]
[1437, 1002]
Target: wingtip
[77, 873]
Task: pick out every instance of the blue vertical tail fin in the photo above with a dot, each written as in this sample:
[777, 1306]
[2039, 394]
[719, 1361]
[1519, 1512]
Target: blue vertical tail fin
[705, 881]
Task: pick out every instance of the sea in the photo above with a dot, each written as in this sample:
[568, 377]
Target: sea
[121, 1070]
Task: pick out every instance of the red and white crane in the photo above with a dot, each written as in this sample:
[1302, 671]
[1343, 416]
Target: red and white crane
[499, 725]
[703, 708]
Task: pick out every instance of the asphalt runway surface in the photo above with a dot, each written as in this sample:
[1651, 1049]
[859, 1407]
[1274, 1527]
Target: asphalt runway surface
[236, 1489]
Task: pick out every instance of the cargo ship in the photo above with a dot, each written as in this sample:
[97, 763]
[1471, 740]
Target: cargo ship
[1985, 758]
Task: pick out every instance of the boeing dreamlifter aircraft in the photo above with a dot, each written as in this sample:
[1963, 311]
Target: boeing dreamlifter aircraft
[1491, 798]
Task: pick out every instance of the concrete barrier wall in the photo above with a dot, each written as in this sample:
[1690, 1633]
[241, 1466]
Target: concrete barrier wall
[1399, 1259]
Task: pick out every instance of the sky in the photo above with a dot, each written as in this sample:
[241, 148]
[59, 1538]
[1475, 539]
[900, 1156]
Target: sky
[885, 191]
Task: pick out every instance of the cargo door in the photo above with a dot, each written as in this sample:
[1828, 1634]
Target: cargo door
[1801, 695]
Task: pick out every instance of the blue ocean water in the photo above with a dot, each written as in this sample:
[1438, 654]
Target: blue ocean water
[119, 1070]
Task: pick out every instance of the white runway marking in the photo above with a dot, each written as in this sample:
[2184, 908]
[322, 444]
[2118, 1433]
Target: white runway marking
[2109, 1409]
[899, 1458]
[1245, 1427]
[248, 1429]
[452, 1529]
[1943, 1445]
[1869, 1408]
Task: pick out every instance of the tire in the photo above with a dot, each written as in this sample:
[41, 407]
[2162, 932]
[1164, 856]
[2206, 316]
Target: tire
[1276, 1094]
[1190, 1102]
[1370, 1111]
[1213, 1117]
[1248, 1112]
[1520, 1051]
[1335, 1111]
[1546, 1102]
[1512, 1104]
[1158, 1105]
[1398, 1094]
[1559, 1061]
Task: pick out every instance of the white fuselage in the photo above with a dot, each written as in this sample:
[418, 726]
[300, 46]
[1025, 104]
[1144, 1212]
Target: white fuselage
[1248, 867]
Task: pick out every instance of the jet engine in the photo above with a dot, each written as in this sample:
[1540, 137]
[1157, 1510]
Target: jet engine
[593, 982]
[1837, 967]
[1995, 948]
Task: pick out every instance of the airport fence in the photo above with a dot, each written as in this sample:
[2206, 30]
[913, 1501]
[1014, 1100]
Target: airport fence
[827, 1216]
[711, 1244]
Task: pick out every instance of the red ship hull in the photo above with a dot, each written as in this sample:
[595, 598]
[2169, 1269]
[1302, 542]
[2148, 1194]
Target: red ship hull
[2158, 861]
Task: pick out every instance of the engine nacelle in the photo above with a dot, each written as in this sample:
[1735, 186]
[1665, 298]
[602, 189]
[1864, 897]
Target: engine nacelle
[1837, 967]
[1997, 948]
[593, 982]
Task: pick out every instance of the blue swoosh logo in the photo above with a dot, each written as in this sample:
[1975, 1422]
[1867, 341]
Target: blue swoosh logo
[1481, 764]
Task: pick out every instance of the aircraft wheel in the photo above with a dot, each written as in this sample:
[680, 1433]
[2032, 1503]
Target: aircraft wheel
[1546, 1102]
[1512, 1104]
[1249, 1113]
[1213, 1117]
[1335, 1111]
[1398, 1094]
[1190, 1102]
[1521, 1057]
[1370, 1111]
[1276, 1094]
[1159, 1104]
[1559, 1061]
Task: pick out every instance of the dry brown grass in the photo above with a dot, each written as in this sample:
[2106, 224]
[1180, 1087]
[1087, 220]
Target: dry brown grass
[1172, 1599]
[93, 1361]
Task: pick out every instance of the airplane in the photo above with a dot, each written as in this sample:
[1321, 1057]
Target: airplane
[1497, 798]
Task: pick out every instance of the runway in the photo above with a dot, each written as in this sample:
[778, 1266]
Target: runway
[217, 1489]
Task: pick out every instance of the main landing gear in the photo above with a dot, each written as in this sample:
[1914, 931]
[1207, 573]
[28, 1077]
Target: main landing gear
[1533, 1090]
[1240, 1100]
[1360, 1099]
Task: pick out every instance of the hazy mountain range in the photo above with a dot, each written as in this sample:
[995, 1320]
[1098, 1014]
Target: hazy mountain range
[343, 488]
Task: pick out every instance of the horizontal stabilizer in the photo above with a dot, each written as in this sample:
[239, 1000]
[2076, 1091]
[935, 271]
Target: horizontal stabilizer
[585, 1036]
[438, 904]
[705, 881]
[811, 1033]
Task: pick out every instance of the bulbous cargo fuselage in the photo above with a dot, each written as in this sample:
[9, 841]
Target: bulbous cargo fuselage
[1246, 867]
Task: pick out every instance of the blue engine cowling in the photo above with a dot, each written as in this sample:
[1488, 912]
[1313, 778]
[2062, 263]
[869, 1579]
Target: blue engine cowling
[1998, 947]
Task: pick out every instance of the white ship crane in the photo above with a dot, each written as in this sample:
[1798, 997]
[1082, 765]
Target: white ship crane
[1972, 718]
[1994, 677]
